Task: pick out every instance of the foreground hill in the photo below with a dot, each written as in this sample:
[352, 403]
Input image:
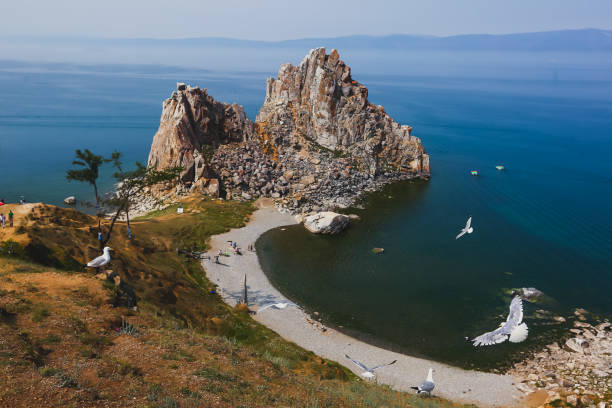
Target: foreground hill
[152, 333]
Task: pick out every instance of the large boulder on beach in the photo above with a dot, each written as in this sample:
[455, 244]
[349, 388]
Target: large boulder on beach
[326, 222]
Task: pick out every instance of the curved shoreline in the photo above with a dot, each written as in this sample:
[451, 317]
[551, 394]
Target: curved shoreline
[455, 384]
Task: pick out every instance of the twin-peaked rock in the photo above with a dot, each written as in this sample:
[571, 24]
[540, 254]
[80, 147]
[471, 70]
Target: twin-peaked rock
[317, 142]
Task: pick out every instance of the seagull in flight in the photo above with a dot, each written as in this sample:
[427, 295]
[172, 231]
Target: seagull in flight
[468, 228]
[369, 372]
[427, 385]
[101, 260]
[279, 305]
[512, 329]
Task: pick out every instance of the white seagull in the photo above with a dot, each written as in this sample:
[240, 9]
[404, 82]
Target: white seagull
[512, 329]
[279, 305]
[427, 385]
[101, 260]
[369, 372]
[468, 228]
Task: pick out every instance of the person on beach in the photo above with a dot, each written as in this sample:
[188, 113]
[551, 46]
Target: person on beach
[2, 220]
[10, 218]
[1, 202]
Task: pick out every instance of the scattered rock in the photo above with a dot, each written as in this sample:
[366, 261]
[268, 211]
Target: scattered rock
[531, 294]
[576, 345]
[326, 222]
[572, 399]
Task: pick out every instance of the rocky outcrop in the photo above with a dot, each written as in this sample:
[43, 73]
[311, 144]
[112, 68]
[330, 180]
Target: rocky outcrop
[319, 103]
[580, 370]
[192, 126]
[326, 222]
[317, 144]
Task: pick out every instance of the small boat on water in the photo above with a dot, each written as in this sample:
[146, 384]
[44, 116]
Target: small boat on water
[474, 172]
[499, 167]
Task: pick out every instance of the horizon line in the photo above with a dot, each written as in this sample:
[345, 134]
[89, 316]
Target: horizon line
[379, 36]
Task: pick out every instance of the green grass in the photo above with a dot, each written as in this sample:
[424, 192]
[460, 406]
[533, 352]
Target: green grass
[39, 313]
[50, 339]
[212, 373]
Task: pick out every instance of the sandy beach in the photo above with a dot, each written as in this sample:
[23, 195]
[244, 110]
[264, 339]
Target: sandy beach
[482, 389]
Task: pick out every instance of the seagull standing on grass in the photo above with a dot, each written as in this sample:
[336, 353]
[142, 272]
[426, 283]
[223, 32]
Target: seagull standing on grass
[369, 372]
[468, 228]
[512, 329]
[426, 386]
[101, 260]
[279, 305]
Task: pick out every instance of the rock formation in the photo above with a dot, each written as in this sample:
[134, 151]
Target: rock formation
[326, 222]
[193, 125]
[317, 143]
[580, 370]
[319, 102]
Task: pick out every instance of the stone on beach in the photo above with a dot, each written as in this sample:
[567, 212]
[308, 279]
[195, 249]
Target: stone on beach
[326, 222]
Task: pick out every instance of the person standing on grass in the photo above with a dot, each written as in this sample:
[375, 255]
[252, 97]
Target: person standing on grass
[11, 218]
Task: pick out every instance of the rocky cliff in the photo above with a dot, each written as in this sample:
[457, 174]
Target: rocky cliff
[319, 102]
[192, 126]
[317, 142]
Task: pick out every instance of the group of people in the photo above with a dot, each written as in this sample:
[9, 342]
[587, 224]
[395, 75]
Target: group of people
[234, 246]
[3, 218]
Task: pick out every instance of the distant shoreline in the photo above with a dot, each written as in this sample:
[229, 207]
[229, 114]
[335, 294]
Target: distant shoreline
[458, 385]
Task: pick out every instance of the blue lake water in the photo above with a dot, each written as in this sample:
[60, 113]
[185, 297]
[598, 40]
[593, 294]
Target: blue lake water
[545, 221]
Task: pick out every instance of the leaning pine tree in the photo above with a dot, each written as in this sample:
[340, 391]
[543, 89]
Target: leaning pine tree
[131, 185]
[88, 173]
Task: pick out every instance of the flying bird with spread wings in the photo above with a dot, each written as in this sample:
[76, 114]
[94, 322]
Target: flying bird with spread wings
[369, 372]
[512, 329]
[467, 230]
[279, 305]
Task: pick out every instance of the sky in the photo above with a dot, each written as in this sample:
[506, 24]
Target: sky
[275, 20]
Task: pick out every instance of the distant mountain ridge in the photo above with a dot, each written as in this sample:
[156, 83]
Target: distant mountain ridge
[589, 39]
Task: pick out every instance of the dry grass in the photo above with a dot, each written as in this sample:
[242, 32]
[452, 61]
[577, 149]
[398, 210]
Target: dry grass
[63, 343]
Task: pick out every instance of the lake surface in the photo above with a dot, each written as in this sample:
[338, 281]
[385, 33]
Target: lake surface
[544, 222]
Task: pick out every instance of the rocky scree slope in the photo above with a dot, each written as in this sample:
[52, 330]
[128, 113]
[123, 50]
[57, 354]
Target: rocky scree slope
[317, 142]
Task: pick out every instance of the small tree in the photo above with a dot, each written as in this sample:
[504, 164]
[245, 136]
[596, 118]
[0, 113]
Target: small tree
[89, 173]
[132, 184]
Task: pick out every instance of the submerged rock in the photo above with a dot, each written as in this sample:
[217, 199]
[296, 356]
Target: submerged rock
[326, 222]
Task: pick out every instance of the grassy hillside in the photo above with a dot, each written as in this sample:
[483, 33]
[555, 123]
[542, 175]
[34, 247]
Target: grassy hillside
[69, 338]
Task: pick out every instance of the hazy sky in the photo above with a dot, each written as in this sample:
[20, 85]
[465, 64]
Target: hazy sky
[285, 19]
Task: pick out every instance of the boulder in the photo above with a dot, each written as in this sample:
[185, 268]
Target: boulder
[326, 222]
[213, 188]
[576, 345]
[70, 200]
